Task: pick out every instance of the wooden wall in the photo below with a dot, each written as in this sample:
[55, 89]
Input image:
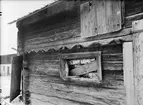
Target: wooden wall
[47, 87]
[44, 82]
[66, 27]
[133, 11]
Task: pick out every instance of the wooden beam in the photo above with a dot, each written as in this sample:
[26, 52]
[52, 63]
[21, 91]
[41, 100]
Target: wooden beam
[128, 72]
[138, 60]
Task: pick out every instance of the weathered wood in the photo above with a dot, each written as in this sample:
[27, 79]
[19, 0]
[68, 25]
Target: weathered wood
[116, 57]
[53, 37]
[16, 77]
[44, 99]
[69, 43]
[83, 69]
[88, 19]
[133, 7]
[130, 19]
[47, 11]
[94, 11]
[80, 55]
[138, 61]
[71, 23]
[128, 72]
[74, 93]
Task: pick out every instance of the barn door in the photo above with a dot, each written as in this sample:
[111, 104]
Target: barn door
[15, 77]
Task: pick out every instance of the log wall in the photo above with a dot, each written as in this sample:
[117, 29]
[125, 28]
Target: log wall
[44, 82]
[47, 87]
[66, 27]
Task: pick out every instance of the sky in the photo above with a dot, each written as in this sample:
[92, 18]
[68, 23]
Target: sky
[12, 10]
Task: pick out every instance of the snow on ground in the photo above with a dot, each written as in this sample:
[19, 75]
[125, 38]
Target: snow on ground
[5, 85]
[5, 91]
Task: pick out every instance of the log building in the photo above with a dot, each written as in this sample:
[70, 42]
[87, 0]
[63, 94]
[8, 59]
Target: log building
[81, 52]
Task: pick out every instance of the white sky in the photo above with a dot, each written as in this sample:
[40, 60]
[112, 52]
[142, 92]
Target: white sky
[11, 10]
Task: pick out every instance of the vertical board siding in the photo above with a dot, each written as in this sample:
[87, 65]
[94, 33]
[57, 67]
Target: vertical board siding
[47, 87]
[100, 17]
[88, 19]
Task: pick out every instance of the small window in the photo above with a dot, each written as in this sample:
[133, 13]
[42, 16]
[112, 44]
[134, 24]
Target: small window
[81, 66]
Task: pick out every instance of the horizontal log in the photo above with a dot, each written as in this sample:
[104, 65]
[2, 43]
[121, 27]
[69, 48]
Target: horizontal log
[89, 95]
[46, 56]
[117, 57]
[133, 7]
[35, 101]
[107, 66]
[131, 18]
[53, 100]
[50, 38]
[114, 76]
[52, 29]
[69, 43]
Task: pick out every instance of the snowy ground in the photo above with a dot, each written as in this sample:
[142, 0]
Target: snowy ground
[5, 85]
[5, 91]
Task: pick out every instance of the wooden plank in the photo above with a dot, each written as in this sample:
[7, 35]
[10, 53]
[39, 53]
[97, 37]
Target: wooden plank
[47, 11]
[107, 66]
[53, 100]
[138, 60]
[15, 77]
[84, 69]
[75, 41]
[130, 19]
[128, 72]
[93, 12]
[115, 57]
[113, 15]
[74, 93]
[80, 55]
[112, 80]
[87, 11]
[133, 7]
[52, 37]
[51, 30]
[101, 16]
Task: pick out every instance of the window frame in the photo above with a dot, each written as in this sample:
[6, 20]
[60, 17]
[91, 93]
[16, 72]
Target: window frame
[80, 55]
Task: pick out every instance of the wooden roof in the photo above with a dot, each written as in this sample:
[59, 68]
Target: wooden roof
[49, 10]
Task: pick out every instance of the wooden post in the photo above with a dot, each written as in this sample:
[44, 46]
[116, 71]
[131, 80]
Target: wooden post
[128, 72]
[138, 60]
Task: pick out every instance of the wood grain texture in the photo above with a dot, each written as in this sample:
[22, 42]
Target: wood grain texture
[88, 19]
[111, 59]
[47, 87]
[133, 7]
[91, 95]
[44, 99]
[128, 72]
[93, 12]
[48, 11]
[138, 61]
